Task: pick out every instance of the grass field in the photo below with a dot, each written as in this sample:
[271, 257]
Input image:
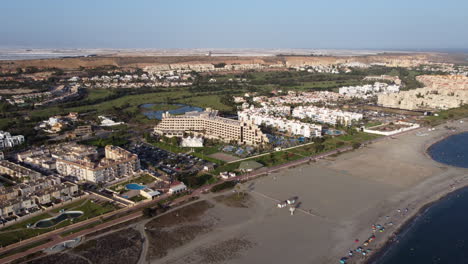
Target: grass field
[94, 94]
[455, 113]
[4, 123]
[161, 107]
[131, 103]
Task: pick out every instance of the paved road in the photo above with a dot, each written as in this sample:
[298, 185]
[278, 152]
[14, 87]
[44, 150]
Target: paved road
[54, 235]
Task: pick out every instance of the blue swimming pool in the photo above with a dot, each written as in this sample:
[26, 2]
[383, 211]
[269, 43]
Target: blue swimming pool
[332, 132]
[134, 186]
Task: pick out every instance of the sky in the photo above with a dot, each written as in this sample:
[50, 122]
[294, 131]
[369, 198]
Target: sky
[324, 24]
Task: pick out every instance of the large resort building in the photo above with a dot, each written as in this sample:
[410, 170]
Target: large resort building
[210, 125]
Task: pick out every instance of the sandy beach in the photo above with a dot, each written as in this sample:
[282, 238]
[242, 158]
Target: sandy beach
[340, 198]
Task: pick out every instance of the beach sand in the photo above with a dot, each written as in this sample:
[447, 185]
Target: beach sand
[339, 200]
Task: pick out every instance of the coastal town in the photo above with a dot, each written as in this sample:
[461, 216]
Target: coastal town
[86, 148]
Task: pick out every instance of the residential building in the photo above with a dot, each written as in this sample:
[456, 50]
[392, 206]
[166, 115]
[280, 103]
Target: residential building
[18, 172]
[292, 127]
[38, 158]
[177, 187]
[83, 130]
[440, 92]
[106, 121]
[26, 196]
[117, 163]
[8, 141]
[368, 90]
[326, 115]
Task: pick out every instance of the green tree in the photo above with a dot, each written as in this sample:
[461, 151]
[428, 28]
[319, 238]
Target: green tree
[356, 145]
[319, 148]
[149, 212]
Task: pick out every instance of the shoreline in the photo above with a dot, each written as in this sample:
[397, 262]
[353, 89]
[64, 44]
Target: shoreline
[405, 226]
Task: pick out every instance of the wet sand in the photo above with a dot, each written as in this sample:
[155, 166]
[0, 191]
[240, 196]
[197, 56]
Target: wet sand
[339, 200]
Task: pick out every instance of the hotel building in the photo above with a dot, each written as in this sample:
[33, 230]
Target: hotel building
[210, 125]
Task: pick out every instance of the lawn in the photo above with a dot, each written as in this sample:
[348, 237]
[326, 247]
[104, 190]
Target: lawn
[18, 232]
[161, 107]
[116, 139]
[138, 198]
[94, 94]
[213, 101]
[23, 224]
[92, 209]
[373, 124]
[131, 102]
[445, 115]
[4, 123]
[278, 157]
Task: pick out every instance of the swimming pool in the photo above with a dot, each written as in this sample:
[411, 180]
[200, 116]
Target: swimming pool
[45, 223]
[333, 132]
[134, 186]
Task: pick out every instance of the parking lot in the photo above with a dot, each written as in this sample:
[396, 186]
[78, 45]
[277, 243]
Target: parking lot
[171, 163]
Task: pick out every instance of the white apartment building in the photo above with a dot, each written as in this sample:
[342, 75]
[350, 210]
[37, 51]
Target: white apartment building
[303, 98]
[326, 116]
[117, 163]
[8, 141]
[293, 127]
[368, 90]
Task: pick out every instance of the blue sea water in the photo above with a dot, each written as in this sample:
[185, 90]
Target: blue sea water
[440, 234]
[452, 150]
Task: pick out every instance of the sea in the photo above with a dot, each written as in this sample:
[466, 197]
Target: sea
[440, 234]
[34, 54]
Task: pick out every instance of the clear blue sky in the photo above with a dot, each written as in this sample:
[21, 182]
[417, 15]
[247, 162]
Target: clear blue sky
[354, 24]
